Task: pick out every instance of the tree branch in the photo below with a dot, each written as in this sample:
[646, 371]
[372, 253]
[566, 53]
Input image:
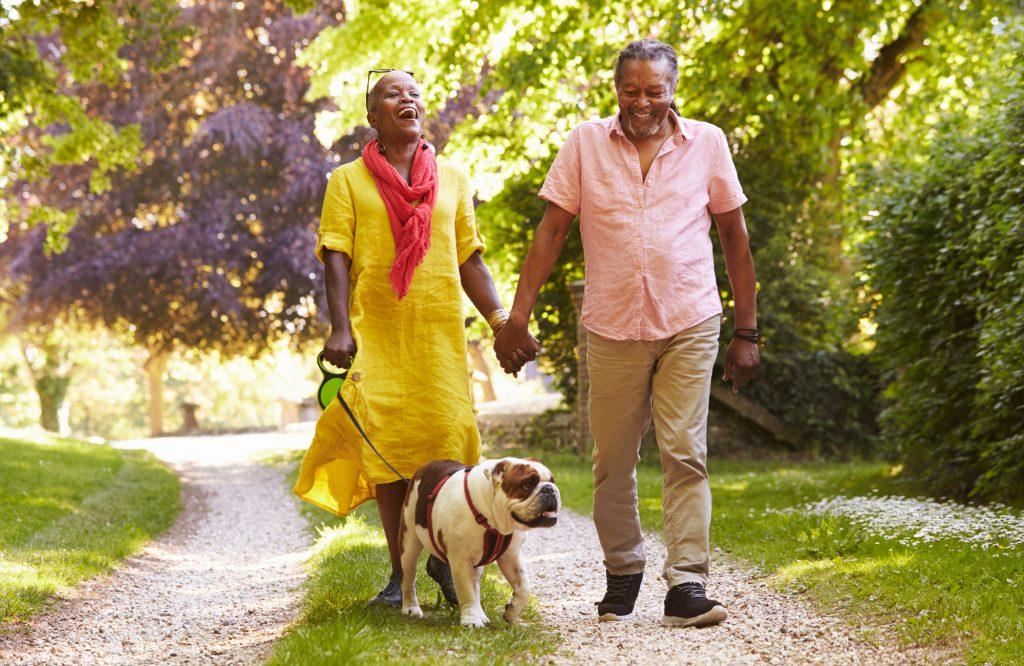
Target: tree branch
[888, 68]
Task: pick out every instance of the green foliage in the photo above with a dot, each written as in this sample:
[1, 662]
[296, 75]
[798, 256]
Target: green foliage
[79, 508]
[946, 256]
[794, 89]
[49, 52]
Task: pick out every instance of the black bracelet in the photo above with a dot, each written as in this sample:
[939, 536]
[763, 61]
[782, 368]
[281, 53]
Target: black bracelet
[754, 337]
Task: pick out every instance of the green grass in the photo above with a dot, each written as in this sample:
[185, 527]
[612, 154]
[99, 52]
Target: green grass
[336, 626]
[943, 594]
[71, 510]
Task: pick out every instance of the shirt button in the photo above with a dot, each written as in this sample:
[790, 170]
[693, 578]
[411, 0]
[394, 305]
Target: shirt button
[355, 376]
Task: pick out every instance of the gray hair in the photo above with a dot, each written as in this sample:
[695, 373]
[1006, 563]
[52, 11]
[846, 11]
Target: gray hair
[651, 50]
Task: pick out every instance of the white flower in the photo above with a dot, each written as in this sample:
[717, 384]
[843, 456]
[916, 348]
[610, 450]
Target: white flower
[918, 521]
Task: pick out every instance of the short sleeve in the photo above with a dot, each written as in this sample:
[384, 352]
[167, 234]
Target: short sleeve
[338, 218]
[562, 184]
[724, 191]
[467, 236]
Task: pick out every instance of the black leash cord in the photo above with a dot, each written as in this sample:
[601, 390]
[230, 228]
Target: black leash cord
[355, 422]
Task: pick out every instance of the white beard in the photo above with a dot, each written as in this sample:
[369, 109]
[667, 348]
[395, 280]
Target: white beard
[641, 129]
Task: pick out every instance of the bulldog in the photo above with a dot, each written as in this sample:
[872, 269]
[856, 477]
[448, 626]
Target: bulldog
[470, 517]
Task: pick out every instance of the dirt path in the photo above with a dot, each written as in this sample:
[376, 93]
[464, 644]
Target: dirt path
[764, 626]
[218, 587]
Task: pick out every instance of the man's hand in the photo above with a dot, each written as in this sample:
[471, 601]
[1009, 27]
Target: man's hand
[741, 361]
[514, 346]
[340, 348]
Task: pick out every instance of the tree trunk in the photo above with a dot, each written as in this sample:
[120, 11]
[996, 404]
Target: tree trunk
[155, 367]
[51, 369]
[52, 390]
[480, 365]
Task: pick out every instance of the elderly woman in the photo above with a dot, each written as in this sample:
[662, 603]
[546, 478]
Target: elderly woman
[397, 238]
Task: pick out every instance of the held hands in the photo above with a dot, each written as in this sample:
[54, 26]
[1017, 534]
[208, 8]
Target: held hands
[741, 361]
[340, 348]
[514, 346]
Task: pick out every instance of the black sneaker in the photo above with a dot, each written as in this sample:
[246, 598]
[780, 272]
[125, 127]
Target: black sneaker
[620, 598]
[391, 595]
[442, 575]
[686, 605]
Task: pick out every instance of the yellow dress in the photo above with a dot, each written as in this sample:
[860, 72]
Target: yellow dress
[409, 383]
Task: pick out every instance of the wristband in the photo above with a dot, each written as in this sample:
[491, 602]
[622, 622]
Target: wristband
[751, 335]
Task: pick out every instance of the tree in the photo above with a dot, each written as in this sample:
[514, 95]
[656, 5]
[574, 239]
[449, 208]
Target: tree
[47, 50]
[208, 244]
[797, 89]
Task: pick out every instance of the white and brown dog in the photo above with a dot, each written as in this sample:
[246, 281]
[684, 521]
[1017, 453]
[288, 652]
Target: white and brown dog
[470, 517]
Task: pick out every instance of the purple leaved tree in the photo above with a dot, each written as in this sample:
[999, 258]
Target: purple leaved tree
[208, 244]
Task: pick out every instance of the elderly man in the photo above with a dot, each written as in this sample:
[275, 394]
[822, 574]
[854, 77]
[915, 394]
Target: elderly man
[645, 184]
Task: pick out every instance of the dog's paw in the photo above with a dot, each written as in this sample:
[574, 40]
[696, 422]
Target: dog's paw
[511, 613]
[412, 611]
[475, 620]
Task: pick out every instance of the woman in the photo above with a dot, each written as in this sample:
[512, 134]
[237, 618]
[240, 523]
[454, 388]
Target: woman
[397, 238]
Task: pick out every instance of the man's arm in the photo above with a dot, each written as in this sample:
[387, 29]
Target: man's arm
[547, 244]
[742, 357]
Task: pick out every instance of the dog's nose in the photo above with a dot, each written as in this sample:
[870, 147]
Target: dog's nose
[547, 490]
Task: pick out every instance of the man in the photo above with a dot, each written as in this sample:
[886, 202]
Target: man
[645, 184]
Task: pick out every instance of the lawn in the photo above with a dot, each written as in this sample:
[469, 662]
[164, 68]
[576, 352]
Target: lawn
[336, 626]
[941, 593]
[72, 510]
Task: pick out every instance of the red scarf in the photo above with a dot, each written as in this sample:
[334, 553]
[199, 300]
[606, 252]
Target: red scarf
[409, 225]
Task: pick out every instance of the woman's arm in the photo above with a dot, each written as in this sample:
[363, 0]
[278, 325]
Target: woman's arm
[340, 346]
[479, 286]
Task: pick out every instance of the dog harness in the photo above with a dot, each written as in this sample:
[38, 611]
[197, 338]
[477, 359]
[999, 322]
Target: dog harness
[495, 543]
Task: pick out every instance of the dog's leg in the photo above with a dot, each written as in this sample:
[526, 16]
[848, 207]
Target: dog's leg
[411, 547]
[467, 587]
[512, 568]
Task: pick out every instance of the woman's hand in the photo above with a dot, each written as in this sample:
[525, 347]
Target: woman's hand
[340, 348]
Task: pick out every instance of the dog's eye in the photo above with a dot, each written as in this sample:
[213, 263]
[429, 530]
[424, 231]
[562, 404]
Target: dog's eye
[530, 483]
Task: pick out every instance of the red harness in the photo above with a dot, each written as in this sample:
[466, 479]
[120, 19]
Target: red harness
[495, 542]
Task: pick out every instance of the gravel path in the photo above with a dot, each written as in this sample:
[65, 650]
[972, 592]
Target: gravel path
[222, 584]
[764, 626]
[218, 587]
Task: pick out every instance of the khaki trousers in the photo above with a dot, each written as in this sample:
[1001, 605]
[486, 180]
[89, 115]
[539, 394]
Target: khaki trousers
[629, 381]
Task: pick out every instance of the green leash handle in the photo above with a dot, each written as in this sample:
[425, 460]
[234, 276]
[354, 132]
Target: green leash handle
[331, 384]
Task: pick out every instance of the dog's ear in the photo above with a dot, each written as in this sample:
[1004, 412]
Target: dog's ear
[532, 459]
[497, 471]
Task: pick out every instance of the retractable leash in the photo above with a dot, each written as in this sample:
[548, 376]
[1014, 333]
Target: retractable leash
[331, 387]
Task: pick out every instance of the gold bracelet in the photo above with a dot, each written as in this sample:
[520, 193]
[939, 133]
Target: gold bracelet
[497, 319]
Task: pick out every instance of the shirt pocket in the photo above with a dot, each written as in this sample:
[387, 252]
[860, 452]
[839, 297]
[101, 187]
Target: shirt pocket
[608, 194]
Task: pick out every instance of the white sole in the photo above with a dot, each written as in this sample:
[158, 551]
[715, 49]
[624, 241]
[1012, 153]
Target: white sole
[612, 617]
[713, 616]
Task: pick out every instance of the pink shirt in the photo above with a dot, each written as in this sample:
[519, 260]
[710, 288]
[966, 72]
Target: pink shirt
[650, 272]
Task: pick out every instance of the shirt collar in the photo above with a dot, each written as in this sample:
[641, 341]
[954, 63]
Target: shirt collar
[681, 130]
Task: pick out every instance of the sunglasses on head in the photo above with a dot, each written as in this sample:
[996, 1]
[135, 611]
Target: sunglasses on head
[371, 72]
